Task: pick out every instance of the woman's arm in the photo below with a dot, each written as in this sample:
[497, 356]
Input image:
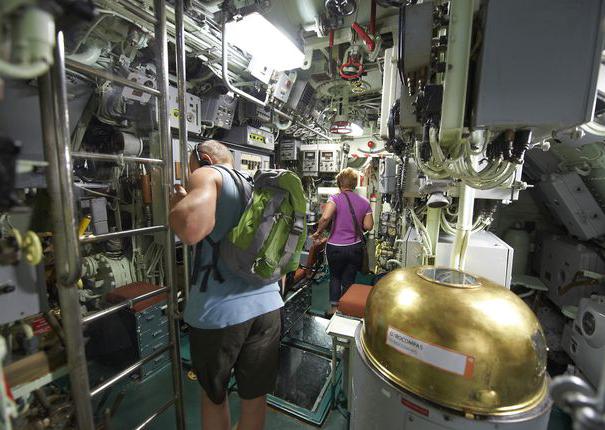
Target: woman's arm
[368, 222]
[326, 217]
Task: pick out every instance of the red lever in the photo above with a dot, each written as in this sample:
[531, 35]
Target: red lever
[364, 36]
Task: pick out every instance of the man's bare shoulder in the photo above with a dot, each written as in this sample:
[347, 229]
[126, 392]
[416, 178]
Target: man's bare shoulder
[204, 177]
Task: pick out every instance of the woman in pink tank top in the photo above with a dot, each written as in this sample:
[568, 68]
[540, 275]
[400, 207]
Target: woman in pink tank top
[344, 248]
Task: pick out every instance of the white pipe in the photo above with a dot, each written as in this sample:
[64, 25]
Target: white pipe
[23, 71]
[464, 225]
[456, 75]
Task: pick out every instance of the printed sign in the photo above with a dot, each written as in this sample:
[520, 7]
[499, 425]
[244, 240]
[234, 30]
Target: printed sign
[434, 355]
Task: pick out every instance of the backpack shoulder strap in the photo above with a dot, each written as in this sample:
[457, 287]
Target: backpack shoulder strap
[243, 183]
[244, 187]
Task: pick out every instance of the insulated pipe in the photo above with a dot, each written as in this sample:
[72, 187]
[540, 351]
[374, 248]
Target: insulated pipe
[55, 123]
[161, 56]
[372, 26]
[456, 75]
[464, 226]
[22, 71]
[433, 222]
[182, 89]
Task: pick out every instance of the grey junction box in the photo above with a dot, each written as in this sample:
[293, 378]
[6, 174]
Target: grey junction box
[539, 63]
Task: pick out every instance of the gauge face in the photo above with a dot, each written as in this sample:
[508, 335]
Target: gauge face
[588, 324]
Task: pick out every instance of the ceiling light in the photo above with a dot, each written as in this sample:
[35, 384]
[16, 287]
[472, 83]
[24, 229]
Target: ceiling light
[265, 42]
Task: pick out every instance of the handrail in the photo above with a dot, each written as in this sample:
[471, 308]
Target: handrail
[116, 157]
[126, 304]
[126, 372]
[156, 414]
[124, 233]
[76, 66]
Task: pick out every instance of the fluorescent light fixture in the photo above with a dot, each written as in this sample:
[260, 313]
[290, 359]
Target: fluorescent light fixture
[265, 42]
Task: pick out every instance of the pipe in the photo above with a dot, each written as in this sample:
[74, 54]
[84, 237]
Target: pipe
[124, 373]
[156, 414]
[117, 158]
[76, 66]
[456, 75]
[364, 36]
[225, 70]
[161, 56]
[372, 26]
[464, 226]
[55, 123]
[112, 309]
[22, 71]
[433, 222]
[182, 88]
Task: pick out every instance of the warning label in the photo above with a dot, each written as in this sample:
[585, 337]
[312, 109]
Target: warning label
[437, 356]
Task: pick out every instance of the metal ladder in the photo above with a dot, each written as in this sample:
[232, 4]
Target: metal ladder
[57, 146]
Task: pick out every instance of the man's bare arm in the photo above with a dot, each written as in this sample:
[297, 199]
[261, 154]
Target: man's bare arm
[192, 217]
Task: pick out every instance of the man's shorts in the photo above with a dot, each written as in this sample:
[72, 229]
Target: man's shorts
[251, 348]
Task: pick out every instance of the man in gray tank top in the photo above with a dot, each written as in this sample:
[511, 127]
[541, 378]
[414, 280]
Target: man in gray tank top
[234, 326]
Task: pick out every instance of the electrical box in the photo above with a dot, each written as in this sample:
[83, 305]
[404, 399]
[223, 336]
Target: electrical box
[310, 160]
[387, 175]
[288, 149]
[329, 158]
[249, 162]
[218, 109]
[142, 77]
[573, 204]
[23, 291]
[284, 85]
[194, 107]
[487, 255]
[302, 97]
[584, 339]
[561, 260]
[538, 64]
[251, 136]
[249, 111]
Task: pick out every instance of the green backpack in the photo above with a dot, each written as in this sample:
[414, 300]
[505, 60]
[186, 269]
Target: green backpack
[269, 237]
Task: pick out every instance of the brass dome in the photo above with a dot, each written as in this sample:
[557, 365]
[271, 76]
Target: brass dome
[457, 340]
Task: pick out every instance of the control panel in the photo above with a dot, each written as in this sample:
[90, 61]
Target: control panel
[288, 149]
[219, 110]
[329, 159]
[310, 160]
[194, 124]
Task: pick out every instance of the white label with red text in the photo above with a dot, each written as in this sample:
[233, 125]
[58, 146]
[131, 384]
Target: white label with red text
[435, 355]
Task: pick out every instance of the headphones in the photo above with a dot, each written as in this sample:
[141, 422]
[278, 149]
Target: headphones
[201, 161]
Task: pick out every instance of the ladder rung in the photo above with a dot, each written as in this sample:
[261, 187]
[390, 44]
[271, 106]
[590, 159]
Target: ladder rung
[113, 309]
[156, 414]
[76, 66]
[129, 370]
[116, 158]
[124, 233]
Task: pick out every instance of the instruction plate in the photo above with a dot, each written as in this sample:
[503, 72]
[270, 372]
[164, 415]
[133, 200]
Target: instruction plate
[434, 355]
